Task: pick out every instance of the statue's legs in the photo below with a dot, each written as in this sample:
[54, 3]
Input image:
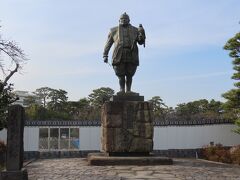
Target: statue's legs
[129, 83]
[120, 72]
[122, 83]
[125, 70]
[130, 71]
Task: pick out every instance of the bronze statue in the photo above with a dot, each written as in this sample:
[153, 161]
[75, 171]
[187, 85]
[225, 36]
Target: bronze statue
[125, 57]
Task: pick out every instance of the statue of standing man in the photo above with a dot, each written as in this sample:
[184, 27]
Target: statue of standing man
[125, 57]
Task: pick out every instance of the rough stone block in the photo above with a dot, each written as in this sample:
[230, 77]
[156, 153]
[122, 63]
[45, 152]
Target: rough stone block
[112, 121]
[113, 107]
[116, 140]
[141, 145]
[127, 126]
[144, 130]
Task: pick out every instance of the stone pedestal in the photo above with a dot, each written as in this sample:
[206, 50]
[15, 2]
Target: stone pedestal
[127, 126]
[127, 133]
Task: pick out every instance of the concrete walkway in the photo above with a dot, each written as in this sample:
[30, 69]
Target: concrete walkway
[77, 169]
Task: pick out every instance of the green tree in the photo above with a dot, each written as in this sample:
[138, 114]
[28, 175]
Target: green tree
[183, 111]
[12, 53]
[159, 107]
[37, 112]
[99, 96]
[6, 98]
[72, 108]
[233, 96]
[79, 110]
[84, 103]
[58, 100]
[215, 106]
[200, 109]
[84, 109]
[30, 100]
[54, 105]
[43, 94]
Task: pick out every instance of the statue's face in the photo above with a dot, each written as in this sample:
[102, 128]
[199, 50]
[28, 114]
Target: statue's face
[124, 21]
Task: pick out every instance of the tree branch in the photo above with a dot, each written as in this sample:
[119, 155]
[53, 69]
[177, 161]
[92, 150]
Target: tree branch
[10, 75]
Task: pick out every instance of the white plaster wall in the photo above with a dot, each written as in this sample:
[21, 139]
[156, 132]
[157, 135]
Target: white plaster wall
[90, 138]
[31, 138]
[191, 137]
[171, 137]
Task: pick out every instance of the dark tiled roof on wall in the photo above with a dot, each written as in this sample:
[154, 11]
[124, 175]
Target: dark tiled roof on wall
[98, 123]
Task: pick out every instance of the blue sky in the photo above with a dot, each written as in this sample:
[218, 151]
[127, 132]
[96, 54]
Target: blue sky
[183, 60]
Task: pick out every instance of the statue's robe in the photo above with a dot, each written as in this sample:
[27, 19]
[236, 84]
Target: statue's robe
[125, 45]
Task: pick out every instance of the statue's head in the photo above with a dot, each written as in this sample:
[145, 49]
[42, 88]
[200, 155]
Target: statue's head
[124, 19]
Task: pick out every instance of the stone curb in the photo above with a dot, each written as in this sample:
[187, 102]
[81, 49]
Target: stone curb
[218, 163]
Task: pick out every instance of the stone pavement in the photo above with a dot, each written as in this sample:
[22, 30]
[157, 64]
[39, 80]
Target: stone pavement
[77, 169]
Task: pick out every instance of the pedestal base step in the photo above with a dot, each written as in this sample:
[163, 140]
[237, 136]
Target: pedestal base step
[14, 175]
[127, 97]
[103, 159]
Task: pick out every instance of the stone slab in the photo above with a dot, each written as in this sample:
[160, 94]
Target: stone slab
[126, 97]
[128, 154]
[15, 133]
[102, 159]
[14, 175]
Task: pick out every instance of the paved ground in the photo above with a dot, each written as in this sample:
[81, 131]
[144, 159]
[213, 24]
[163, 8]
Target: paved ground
[77, 169]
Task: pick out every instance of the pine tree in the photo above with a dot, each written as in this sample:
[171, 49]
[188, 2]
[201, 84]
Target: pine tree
[233, 96]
